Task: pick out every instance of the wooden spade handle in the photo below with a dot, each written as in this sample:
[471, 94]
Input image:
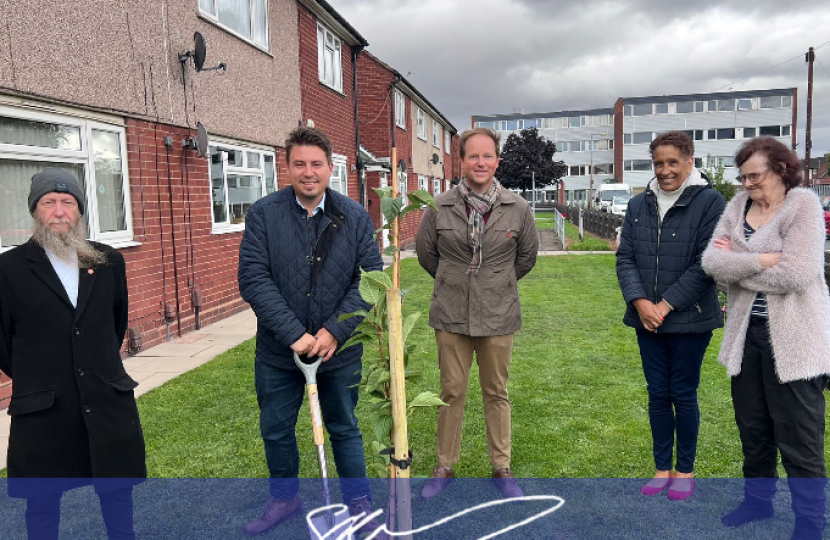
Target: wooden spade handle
[316, 415]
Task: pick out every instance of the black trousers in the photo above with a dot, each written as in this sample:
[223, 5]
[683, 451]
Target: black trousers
[773, 416]
[43, 515]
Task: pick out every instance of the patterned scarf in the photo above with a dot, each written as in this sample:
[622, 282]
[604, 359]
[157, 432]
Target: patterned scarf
[479, 205]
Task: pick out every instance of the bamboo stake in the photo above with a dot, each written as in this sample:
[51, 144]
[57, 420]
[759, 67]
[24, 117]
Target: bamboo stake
[398, 390]
[396, 264]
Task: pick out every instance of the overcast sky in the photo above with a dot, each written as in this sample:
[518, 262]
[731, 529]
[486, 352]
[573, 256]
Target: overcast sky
[493, 56]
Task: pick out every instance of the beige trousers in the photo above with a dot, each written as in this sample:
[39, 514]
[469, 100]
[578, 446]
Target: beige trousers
[455, 358]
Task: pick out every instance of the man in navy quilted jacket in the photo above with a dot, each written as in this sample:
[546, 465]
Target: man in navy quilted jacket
[299, 268]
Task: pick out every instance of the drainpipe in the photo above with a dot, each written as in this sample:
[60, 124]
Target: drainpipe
[361, 179]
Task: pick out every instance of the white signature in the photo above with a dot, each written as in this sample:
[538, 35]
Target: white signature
[349, 526]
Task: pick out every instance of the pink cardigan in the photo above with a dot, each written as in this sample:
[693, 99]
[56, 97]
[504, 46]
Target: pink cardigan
[797, 295]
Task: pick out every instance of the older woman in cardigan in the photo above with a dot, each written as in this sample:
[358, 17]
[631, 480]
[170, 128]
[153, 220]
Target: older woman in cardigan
[768, 248]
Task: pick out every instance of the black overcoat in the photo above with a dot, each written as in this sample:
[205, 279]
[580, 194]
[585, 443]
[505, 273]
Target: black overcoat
[73, 411]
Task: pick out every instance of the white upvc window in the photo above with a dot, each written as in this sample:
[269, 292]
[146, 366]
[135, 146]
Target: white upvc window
[422, 124]
[436, 186]
[400, 109]
[94, 152]
[423, 182]
[247, 19]
[436, 134]
[329, 58]
[402, 181]
[239, 176]
[447, 147]
[339, 181]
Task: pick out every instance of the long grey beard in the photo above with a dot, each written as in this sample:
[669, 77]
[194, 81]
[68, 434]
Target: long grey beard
[64, 245]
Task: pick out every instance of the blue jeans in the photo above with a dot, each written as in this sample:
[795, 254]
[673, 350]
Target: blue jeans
[280, 395]
[671, 363]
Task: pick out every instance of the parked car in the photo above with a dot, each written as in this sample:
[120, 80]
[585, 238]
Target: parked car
[619, 205]
[826, 204]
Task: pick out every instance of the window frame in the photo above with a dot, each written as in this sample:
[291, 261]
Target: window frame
[228, 226]
[447, 141]
[337, 71]
[86, 157]
[422, 124]
[436, 134]
[400, 109]
[340, 162]
[214, 19]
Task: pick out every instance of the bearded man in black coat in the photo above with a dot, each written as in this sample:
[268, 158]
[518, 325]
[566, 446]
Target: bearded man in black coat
[63, 315]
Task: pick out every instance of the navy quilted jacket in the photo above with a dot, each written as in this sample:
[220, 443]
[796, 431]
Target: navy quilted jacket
[661, 259]
[297, 282]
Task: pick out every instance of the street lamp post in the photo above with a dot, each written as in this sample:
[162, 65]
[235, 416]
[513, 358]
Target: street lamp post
[591, 191]
[533, 189]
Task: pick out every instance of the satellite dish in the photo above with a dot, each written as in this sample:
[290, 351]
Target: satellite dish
[200, 52]
[434, 159]
[200, 142]
[402, 165]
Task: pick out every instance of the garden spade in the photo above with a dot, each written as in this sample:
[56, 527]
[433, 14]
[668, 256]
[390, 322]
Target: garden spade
[321, 525]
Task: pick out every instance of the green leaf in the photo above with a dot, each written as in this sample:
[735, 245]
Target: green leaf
[384, 192]
[390, 250]
[380, 280]
[383, 427]
[369, 292]
[409, 323]
[382, 406]
[423, 198]
[407, 209]
[412, 375]
[380, 310]
[355, 339]
[366, 327]
[427, 399]
[381, 471]
[345, 316]
[390, 207]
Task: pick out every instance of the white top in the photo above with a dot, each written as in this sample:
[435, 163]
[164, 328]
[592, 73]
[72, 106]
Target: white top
[68, 273]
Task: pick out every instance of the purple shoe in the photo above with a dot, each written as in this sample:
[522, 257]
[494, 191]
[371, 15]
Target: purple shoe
[681, 489]
[656, 485]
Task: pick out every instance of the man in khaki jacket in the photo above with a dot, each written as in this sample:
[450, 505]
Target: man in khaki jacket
[477, 246]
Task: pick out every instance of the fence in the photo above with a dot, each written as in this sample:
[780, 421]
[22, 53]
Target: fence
[559, 222]
[602, 224]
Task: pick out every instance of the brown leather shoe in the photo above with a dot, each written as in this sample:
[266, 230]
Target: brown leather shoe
[363, 506]
[276, 511]
[503, 478]
[438, 482]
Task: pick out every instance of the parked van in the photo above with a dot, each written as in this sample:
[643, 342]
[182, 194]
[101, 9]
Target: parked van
[607, 192]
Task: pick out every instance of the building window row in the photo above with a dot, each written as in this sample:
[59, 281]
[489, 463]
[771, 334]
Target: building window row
[549, 123]
[715, 105]
[585, 170]
[584, 146]
[718, 134]
[95, 153]
[247, 19]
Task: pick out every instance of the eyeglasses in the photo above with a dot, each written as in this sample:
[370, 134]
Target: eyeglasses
[752, 178]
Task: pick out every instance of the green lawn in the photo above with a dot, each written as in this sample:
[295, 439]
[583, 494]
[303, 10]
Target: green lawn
[578, 393]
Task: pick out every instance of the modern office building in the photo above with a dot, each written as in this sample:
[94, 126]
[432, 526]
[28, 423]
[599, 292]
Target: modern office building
[616, 139]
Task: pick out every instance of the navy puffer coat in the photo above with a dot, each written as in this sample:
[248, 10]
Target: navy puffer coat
[660, 259]
[298, 282]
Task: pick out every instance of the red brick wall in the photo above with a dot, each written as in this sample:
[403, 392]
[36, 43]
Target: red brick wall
[5, 390]
[178, 252]
[331, 111]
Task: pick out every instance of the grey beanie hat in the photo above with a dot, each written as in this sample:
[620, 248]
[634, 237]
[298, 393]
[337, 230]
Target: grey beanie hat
[55, 180]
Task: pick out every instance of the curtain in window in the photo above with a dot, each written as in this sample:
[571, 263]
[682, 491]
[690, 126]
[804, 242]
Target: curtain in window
[235, 15]
[43, 134]
[109, 181]
[15, 181]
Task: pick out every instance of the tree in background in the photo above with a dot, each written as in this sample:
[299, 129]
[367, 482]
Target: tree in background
[714, 170]
[525, 153]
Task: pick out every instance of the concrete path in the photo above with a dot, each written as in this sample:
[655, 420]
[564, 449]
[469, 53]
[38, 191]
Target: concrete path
[157, 365]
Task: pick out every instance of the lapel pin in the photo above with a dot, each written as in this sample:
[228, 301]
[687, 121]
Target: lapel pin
[508, 233]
